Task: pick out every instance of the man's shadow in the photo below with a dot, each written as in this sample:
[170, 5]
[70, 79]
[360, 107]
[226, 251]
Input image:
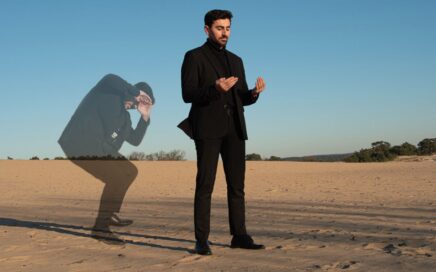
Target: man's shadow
[75, 230]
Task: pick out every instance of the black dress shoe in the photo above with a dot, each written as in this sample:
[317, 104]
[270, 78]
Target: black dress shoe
[103, 222]
[202, 248]
[106, 236]
[115, 220]
[245, 242]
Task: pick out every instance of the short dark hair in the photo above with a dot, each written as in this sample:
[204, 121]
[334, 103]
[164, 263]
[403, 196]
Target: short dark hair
[216, 14]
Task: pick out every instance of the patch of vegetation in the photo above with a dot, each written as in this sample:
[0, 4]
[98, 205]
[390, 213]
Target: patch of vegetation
[382, 151]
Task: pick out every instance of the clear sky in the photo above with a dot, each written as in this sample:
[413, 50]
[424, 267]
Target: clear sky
[340, 74]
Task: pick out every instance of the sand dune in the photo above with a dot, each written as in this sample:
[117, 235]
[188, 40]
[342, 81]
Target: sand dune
[311, 217]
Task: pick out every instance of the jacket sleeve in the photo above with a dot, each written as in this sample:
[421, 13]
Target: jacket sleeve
[192, 92]
[136, 135]
[245, 94]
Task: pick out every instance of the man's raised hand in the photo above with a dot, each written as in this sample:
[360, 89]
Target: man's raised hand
[143, 97]
[145, 110]
[145, 104]
[225, 84]
[260, 86]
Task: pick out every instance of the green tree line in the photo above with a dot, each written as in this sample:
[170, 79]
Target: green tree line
[381, 151]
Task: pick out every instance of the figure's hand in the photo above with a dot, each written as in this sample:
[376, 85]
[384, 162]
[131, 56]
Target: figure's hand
[225, 84]
[143, 98]
[145, 110]
[260, 86]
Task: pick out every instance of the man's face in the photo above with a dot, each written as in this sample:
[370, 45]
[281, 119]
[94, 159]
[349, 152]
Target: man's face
[129, 105]
[219, 32]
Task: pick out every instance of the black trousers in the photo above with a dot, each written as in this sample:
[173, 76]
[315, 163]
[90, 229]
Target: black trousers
[117, 175]
[232, 150]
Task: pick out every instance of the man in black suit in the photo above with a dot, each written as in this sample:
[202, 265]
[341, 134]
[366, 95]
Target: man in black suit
[213, 81]
[96, 131]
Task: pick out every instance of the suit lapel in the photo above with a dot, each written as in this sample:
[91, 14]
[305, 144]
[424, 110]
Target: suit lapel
[234, 71]
[233, 65]
[213, 61]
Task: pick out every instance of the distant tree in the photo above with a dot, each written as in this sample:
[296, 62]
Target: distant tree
[10, 158]
[46, 159]
[396, 149]
[176, 155]
[353, 158]
[405, 149]
[96, 158]
[379, 152]
[59, 158]
[310, 159]
[162, 156]
[137, 156]
[34, 158]
[365, 155]
[253, 157]
[381, 144]
[152, 157]
[274, 158]
[173, 155]
[427, 146]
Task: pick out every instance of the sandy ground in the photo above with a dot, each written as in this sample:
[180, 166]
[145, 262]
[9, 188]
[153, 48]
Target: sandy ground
[310, 216]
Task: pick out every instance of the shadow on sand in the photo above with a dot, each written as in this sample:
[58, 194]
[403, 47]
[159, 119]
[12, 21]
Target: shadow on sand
[76, 231]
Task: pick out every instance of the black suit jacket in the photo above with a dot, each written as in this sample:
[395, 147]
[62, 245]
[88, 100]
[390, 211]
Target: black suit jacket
[100, 123]
[208, 118]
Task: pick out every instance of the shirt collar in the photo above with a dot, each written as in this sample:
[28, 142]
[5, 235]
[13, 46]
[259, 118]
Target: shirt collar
[215, 45]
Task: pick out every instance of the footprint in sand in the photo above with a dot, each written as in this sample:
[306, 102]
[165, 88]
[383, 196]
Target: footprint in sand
[294, 247]
[191, 259]
[373, 246]
[383, 247]
[391, 249]
[425, 251]
[280, 247]
[339, 265]
[345, 265]
[15, 259]
[78, 262]
[313, 267]
[400, 248]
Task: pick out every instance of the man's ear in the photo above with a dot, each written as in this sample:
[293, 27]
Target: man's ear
[206, 30]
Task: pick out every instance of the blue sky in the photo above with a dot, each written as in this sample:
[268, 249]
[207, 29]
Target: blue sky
[339, 74]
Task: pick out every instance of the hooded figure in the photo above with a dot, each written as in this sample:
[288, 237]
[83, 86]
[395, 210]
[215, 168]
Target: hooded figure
[97, 130]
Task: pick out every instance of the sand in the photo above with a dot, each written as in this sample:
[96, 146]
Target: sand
[310, 216]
